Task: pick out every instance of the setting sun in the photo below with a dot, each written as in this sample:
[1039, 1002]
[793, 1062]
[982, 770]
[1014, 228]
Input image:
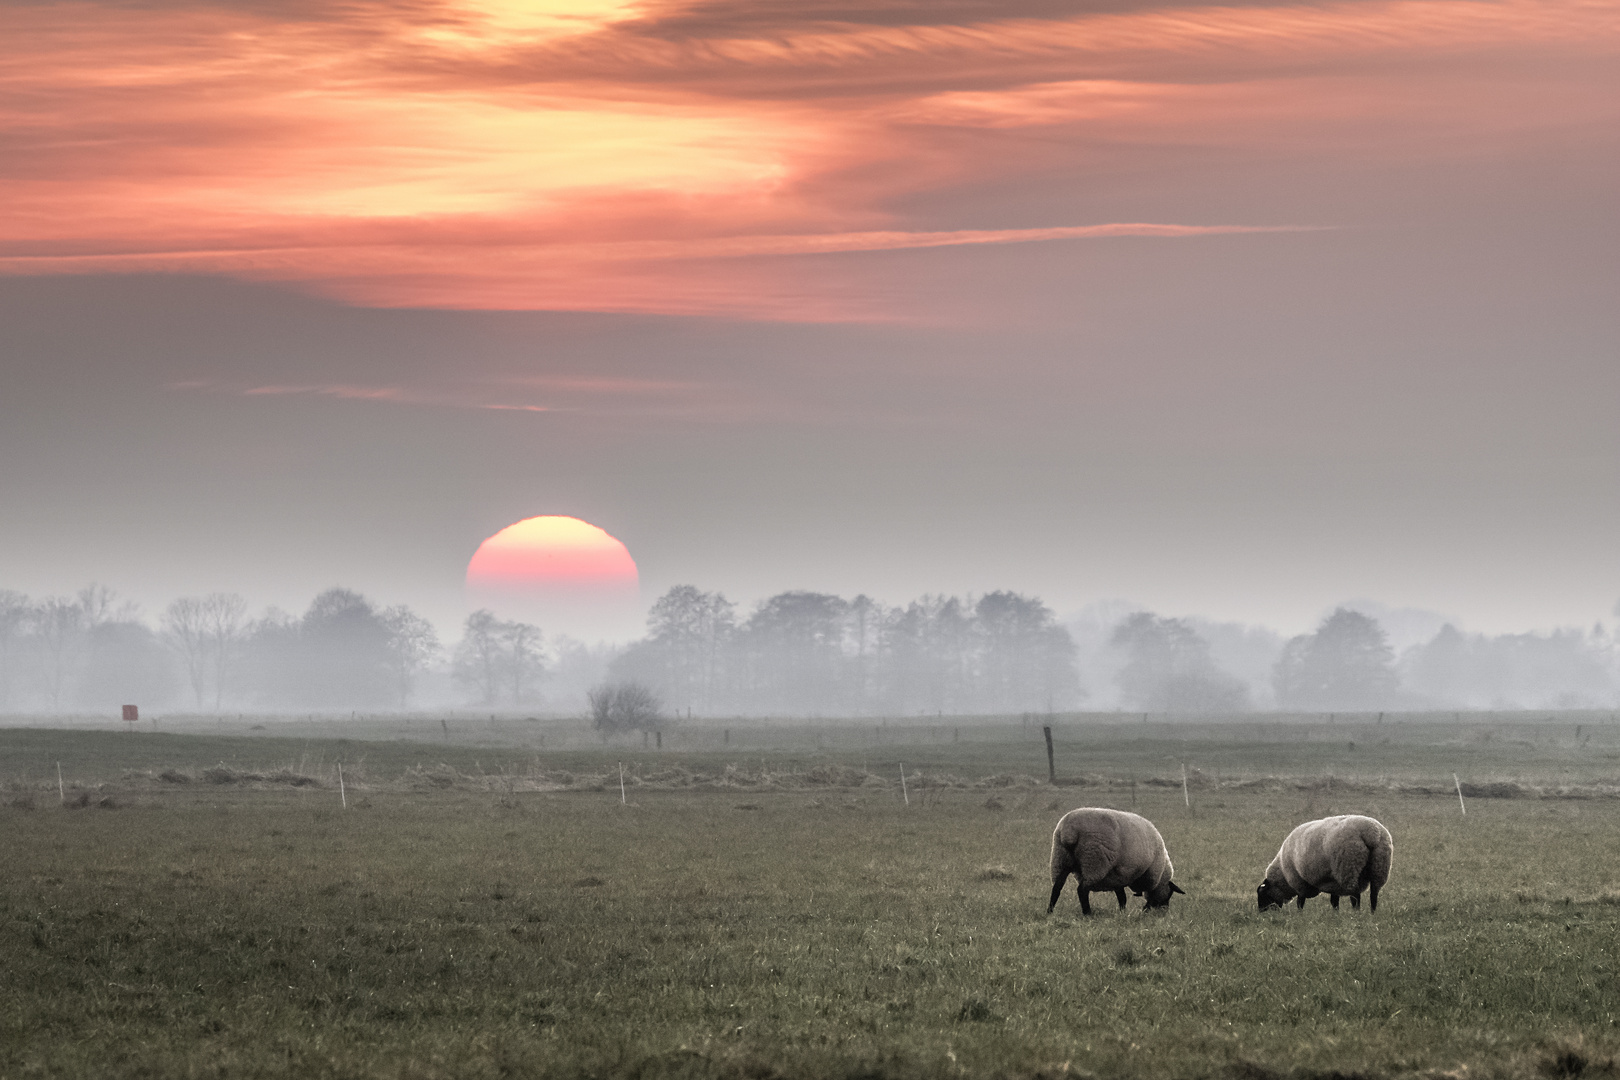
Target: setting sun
[552, 553]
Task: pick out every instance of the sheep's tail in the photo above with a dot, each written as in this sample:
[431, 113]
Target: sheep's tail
[1380, 852]
[1351, 860]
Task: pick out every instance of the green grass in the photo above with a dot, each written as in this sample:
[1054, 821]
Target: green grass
[211, 930]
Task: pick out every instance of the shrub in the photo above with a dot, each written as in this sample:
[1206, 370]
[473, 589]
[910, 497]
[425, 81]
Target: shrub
[624, 706]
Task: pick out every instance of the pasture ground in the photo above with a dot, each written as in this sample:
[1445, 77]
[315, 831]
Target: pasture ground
[203, 906]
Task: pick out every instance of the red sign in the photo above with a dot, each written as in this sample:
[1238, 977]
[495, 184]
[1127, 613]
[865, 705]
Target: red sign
[131, 713]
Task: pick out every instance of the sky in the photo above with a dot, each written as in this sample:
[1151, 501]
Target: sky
[1233, 310]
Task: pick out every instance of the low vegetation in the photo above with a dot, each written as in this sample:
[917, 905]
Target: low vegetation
[207, 907]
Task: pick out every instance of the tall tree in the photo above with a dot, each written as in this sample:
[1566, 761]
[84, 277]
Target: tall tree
[1346, 664]
[865, 620]
[928, 651]
[794, 644]
[1026, 660]
[125, 663]
[100, 605]
[222, 619]
[343, 652]
[16, 613]
[185, 632]
[522, 660]
[478, 656]
[1169, 669]
[687, 633]
[59, 624]
[271, 662]
[412, 645]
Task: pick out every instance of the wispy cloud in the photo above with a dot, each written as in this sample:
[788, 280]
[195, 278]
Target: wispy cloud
[358, 393]
[611, 275]
[540, 393]
[716, 247]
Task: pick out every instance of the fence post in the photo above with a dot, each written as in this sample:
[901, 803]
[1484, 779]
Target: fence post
[1051, 762]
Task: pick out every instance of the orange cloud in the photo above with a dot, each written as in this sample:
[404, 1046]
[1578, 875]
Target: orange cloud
[601, 155]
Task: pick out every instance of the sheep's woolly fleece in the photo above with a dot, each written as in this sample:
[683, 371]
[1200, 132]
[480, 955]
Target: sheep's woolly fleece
[1339, 856]
[1109, 850]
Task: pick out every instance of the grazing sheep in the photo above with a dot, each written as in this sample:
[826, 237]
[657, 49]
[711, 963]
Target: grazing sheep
[1110, 850]
[1339, 856]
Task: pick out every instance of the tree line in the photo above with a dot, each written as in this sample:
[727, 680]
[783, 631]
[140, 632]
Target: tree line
[91, 651]
[1347, 664]
[797, 653]
[816, 654]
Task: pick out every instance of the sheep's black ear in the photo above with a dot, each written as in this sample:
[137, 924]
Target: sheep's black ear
[1177, 888]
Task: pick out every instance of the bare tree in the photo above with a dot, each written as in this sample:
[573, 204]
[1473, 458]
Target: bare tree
[478, 656]
[60, 625]
[15, 615]
[522, 659]
[100, 606]
[207, 634]
[222, 617]
[184, 631]
[412, 644]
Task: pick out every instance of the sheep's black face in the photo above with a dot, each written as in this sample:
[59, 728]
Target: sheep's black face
[1270, 896]
[1160, 897]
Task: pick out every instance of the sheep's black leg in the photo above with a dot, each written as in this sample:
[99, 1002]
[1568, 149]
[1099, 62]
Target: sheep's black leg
[1333, 898]
[1372, 901]
[1355, 901]
[1120, 895]
[1085, 902]
[1299, 901]
[1057, 891]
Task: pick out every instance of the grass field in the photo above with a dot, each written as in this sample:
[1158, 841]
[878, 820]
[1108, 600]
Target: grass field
[495, 911]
